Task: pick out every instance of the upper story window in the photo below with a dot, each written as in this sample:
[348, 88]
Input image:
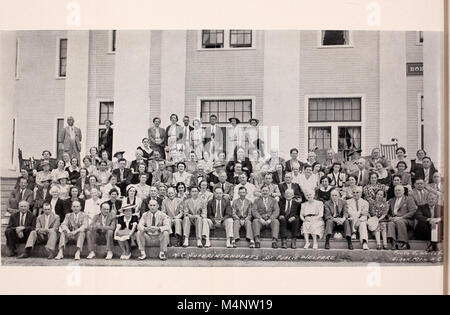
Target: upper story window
[226, 39]
[225, 109]
[335, 38]
[62, 57]
[334, 109]
[420, 38]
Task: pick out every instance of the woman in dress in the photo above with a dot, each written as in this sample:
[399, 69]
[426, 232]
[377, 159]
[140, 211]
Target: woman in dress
[156, 136]
[181, 175]
[204, 193]
[347, 191]
[58, 171]
[66, 159]
[401, 171]
[106, 138]
[318, 171]
[93, 154]
[416, 164]
[74, 195]
[252, 136]
[197, 137]
[63, 185]
[235, 136]
[74, 171]
[337, 177]
[87, 162]
[139, 160]
[191, 164]
[401, 156]
[174, 134]
[311, 214]
[207, 162]
[92, 184]
[132, 201]
[384, 177]
[92, 205]
[370, 190]
[379, 208]
[103, 174]
[324, 192]
[181, 191]
[256, 160]
[135, 179]
[125, 233]
[146, 150]
[105, 158]
[308, 180]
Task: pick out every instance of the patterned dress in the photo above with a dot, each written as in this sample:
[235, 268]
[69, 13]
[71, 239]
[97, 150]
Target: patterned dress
[378, 209]
[369, 191]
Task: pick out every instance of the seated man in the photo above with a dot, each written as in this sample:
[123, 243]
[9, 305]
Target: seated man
[289, 218]
[19, 228]
[19, 194]
[289, 184]
[152, 196]
[401, 214]
[336, 218]
[73, 228]
[154, 224]
[419, 194]
[242, 216]
[430, 226]
[47, 225]
[252, 190]
[265, 213]
[171, 207]
[358, 210]
[193, 209]
[42, 195]
[219, 215]
[227, 187]
[123, 175]
[274, 191]
[103, 225]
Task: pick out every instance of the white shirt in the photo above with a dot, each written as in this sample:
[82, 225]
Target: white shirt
[104, 220]
[398, 201]
[308, 183]
[251, 189]
[53, 204]
[72, 132]
[296, 178]
[427, 175]
[47, 221]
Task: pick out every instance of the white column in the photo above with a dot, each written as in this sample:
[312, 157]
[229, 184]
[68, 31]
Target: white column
[433, 90]
[281, 89]
[131, 90]
[393, 103]
[173, 74]
[76, 92]
[7, 109]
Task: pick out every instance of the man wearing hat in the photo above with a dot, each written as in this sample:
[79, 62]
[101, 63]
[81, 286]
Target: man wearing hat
[71, 137]
[123, 175]
[106, 138]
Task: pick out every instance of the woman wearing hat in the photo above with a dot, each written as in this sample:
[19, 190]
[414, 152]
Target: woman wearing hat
[197, 138]
[125, 231]
[106, 138]
[45, 174]
[378, 209]
[64, 187]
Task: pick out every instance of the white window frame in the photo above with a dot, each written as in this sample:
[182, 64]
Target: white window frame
[226, 42]
[17, 64]
[58, 42]
[418, 43]
[231, 98]
[419, 120]
[335, 125]
[110, 42]
[320, 44]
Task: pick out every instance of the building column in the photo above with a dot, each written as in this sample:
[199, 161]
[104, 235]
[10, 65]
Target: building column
[173, 74]
[76, 92]
[393, 101]
[281, 90]
[433, 90]
[7, 109]
[131, 90]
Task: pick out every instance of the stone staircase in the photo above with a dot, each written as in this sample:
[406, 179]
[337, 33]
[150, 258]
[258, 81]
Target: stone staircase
[218, 250]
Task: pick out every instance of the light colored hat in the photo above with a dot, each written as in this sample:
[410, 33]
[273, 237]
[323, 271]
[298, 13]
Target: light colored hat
[372, 224]
[218, 164]
[63, 175]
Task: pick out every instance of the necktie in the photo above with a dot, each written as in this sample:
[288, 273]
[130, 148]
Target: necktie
[420, 197]
[357, 205]
[21, 194]
[360, 177]
[335, 208]
[153, 220]
[22, 220]
[288, 210]
[47, 219]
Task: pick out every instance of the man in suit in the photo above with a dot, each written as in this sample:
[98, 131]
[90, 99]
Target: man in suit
[242, 217]
[73, 228]
[42, 195]
[358, 210]
[336, 218]
[252, 191]
[401, 214]
[289, 218]
[123, 175]
[194, 210]
[198, 176]
[265, 212]
[152, 196]
[362, 175]
[279, 174]
[274, 190]
[419, 194]
[20, 225]
[186, 140]
[426, 171]
[219, 215]
[19, 194]
[429, 226]
[153, 224]
[288, 184]
[72, 137]
[171, 207]
[227, 187]
[214, 132]
[103, 226]
[289, 164]
[47, 225]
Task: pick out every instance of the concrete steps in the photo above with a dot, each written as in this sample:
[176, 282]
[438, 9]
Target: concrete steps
[6, 186]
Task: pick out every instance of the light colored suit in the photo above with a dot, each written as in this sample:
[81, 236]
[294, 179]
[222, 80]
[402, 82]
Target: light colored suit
[71, 224]
[271, 211]
[398, 230]
[359, 214]
[242, 216]
[98, 228]
[193, 211]
[50, 236]
[162, 221]
[72, 145]
[174, 212]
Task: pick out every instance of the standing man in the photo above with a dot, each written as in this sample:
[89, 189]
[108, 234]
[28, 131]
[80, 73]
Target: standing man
[103, 225]
[71, 137]
[242, 216]
[289, 218]
[265, 214]
[153, 224]
[171, 207]
[193, 209]
[219, 215]
[186, 136]
[214, 132]
[47, 225]
[73, 228]
[19, 228]
[362, 175]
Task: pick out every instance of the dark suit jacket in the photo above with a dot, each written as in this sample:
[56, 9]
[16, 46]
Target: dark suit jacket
[296, 187]
[15, 197]
[118, 204]
[295, 209]
[247, 167]
[342, 211]
[423, 228]
[190, 128]
[406, 210]
[135, 179]
[218, 137]
[30, 221]
[276, 177]
[127, 175]
[227, 211]
[288, 165]
[420, 173]
[39, 200]
[106, 139]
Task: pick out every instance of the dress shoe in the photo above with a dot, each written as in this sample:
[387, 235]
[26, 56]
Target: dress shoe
[350, 245]
[257, 245]
[109, 255]
[199, 244]
[379, 247]
[143, 256]
[60, 255]
[274, 244]
[186, 242]
[122, 257]
[283, 243]
[162, 256]
[327, 245]
[91, 255]
[11, 253]
[315, 246]
[233, 243]
[24, 255]
[207, 243]
[307, 244]
[354, 236]
[228, 243]
[51, 254]
[365, 246]
[252, 244]
[293, 243]
[77, 255]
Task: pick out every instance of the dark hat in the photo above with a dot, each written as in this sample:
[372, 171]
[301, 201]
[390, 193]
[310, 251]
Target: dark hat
[118, 152]
[254, 119]
[237, 119]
